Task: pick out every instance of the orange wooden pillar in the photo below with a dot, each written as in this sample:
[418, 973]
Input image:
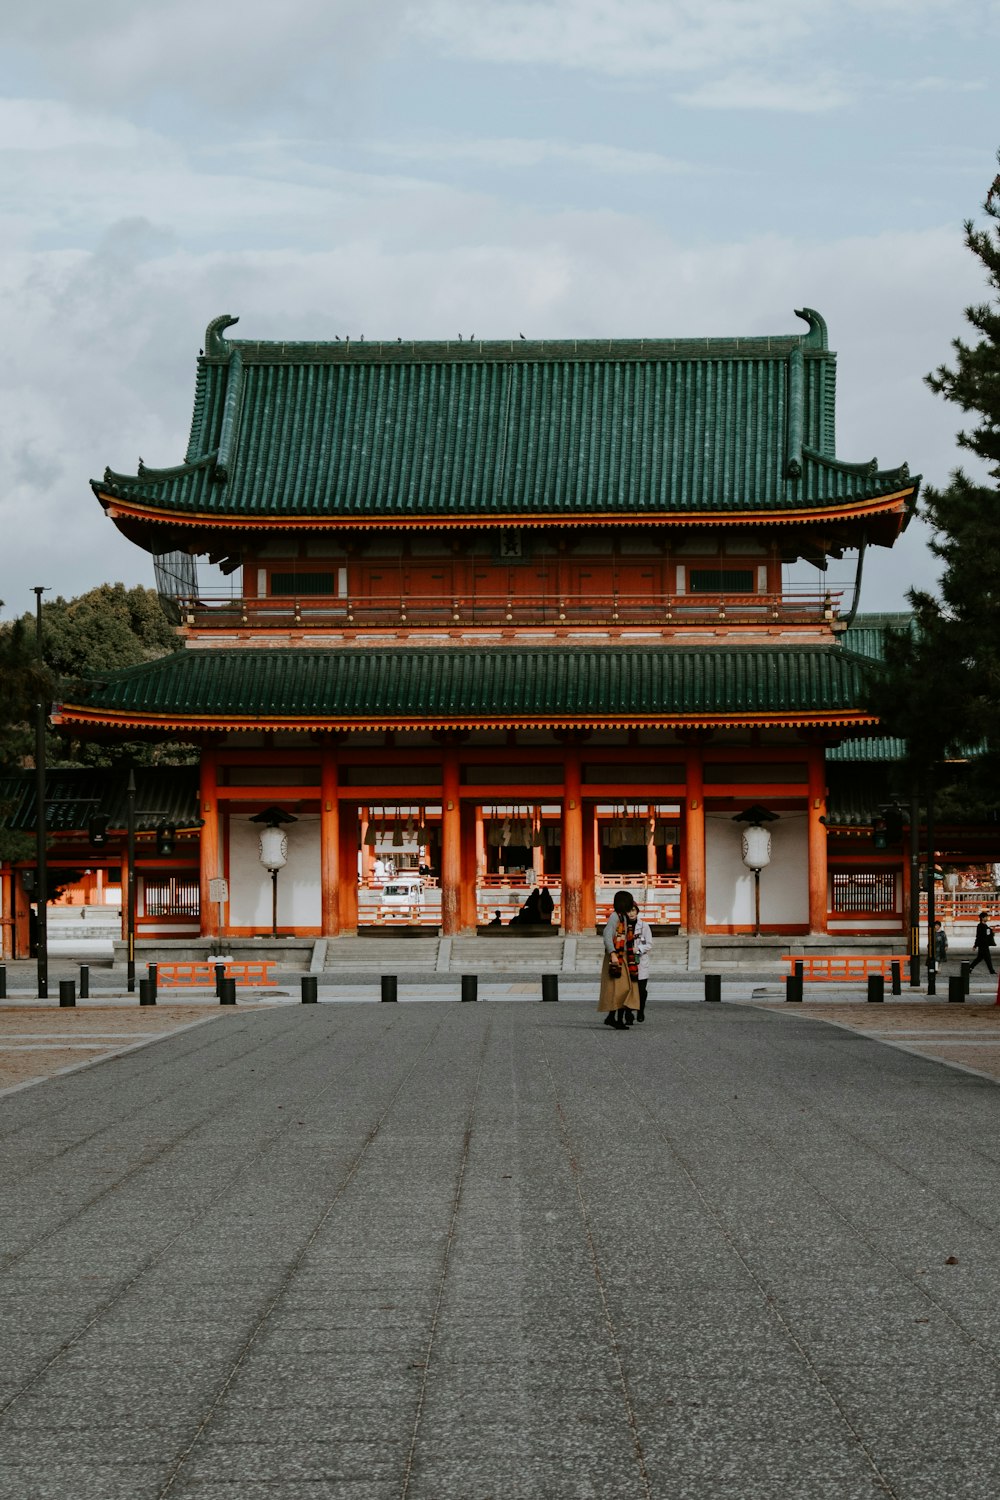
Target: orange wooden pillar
[366, 853]
[572, 843]
[694, 840]
[650, 850]
[818, 892]
[468, 904]
[589, 903]
[329, 846]
[6, 913]
[22, 921]
[451, 844]
[348, 833]
[480, 845]
[210, 847]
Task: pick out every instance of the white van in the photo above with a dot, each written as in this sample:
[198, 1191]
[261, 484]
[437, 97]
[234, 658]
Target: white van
[403, 893]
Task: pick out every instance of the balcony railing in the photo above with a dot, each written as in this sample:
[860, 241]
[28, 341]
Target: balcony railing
[424, 611]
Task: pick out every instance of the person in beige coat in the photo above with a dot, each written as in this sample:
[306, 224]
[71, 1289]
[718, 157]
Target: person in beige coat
[625, 965]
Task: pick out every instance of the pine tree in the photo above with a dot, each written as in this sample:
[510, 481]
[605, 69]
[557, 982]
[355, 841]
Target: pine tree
[940, 686]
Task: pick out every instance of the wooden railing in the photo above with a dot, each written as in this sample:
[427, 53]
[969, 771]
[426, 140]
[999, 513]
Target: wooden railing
[417, 611]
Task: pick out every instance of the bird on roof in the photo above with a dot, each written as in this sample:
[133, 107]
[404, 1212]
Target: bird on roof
[520, 335]
[337, 337]
[460, 339]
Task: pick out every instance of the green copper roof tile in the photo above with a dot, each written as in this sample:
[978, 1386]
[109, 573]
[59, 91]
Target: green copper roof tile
[366, 685]
[354, 431]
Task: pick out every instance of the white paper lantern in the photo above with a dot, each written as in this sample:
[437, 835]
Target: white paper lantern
[756, 848]
[273, 848]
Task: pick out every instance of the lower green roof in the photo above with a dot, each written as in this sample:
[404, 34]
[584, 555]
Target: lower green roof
[365, 687]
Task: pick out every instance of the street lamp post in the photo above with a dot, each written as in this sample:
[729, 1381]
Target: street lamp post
[41, 873]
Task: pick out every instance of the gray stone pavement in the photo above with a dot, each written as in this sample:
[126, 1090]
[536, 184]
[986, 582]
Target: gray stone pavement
[498, 1251]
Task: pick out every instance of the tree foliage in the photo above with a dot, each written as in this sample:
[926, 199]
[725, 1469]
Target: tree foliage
[940, 683]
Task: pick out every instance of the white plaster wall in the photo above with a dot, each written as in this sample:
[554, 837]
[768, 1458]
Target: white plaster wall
[784, 884]
[299, 894]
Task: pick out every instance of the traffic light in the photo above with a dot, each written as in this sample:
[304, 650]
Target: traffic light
[97, 830]
[165, 836]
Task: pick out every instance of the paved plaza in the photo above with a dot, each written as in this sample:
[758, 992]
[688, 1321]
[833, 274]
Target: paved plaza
[496, 1251]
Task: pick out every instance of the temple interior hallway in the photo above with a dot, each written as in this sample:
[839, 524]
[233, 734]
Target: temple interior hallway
[501, 1251]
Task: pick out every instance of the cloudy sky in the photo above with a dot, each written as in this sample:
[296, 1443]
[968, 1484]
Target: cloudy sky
[424, 168]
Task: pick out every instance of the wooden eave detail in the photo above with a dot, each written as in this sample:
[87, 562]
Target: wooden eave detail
[848, 510]
[204, 723]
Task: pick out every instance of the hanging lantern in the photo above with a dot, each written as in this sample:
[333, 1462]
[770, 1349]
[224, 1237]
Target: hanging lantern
[273, 846]
[756, 847]
[397, 834]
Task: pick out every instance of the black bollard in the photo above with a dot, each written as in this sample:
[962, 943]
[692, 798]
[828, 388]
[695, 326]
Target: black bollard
[310, 986]
[799, 970]
[389, 987]
[3, 981]
[227, 992]
[550, 986]
[956, 989]
[966, 974]
[793, 986]
[713, 986]
[220, 974]
[876, 988]
[67, 992]
[152, 970]
[84, 981]
[896, 970]
[932, 981]
[914, 970]
[147, 994]
[470, 984]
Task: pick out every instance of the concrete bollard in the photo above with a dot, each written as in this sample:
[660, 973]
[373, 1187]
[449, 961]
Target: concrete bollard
[793, 986]
[67, 992]
[876, 988]
[550, 986]
[389, 987]
[470, 986]
[147, 994]
[956, 989]
[3, 981]
[713, 986]
[966, 972]
[153, 973]
[310, 988]
[84, 981]
[227, 992]
[896, 969]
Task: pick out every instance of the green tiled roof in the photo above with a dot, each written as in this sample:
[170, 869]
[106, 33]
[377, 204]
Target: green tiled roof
[163, 794]
[370, 688]
[657, 427]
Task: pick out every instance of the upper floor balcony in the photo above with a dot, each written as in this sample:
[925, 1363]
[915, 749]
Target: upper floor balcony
[204, 614]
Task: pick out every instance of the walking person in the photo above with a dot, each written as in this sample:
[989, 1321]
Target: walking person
[940, 945]
[627, 941]
[983, 942]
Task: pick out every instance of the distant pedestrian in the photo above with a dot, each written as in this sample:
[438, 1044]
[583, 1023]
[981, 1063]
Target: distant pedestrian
[983, 942]
[940, 945]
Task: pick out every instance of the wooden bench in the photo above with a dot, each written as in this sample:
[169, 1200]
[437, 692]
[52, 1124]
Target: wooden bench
[195, 973]
[839, 967]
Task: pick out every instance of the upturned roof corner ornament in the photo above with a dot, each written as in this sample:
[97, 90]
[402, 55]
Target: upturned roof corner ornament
[215, 344]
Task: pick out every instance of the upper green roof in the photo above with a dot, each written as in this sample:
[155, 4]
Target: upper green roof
[370, 688]
[459, 431]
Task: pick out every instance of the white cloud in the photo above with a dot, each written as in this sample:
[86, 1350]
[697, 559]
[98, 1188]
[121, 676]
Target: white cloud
[796, 96]
[512, 153]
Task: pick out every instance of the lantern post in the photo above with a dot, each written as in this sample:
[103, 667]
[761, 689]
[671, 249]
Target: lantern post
[273, 850]
[756, 851]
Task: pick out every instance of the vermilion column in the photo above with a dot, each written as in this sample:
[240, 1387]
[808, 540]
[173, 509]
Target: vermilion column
[348, 817]
[818, 894]
[451, 845]
[537, 850]
[210, 845]
[589, 902]
[22, 922]
[572, 843]
[6, 913]
[694, 841]
[329, 845]
[468, 905]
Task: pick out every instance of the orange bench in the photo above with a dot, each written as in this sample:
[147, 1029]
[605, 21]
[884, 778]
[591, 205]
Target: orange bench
[844, 966]
[191, 973]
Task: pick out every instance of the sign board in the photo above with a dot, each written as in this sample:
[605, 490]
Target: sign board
[218, 890]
